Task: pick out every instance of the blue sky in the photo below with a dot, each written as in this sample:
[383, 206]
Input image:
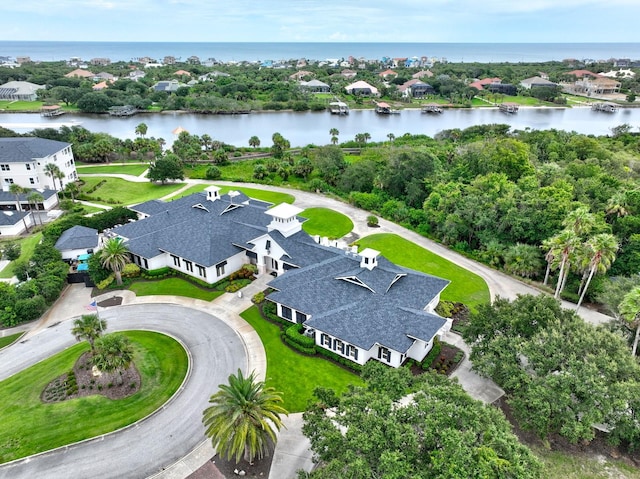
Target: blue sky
[482, 21]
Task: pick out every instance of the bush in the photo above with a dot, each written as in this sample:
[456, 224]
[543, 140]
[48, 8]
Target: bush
[155, 273]
[258, 298]
[372, 220]
[432, 355]
[294, 334]
[131, 271]
[340, 360]
[106, 282]
[11, 251]
[445, 309]
[213, 173]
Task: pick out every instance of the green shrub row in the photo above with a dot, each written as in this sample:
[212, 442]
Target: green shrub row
[294, 334]
[298, 347]
[339, 359]
[431, 355]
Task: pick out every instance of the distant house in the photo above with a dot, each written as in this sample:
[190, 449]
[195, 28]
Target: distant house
[169, 60]
[211, 75]
[480, 84]
[315, 86]
[502, 88]
[387, 74]
[100, 86]
[105, 76]
[597, 86]
[537, 82]
[182, 72]
[100, 61]
[80, 73]
[415, 88]
[357, 305]
[348, 73]
[136, 75]
[297, 76]
[621, 73]
[20, 90]
[193, 60]
[167, 85]
[582, 73]
[76, 241]
[422, 74]
[362, 88]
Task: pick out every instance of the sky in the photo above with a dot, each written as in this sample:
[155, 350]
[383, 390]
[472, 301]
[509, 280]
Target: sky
[455, 21]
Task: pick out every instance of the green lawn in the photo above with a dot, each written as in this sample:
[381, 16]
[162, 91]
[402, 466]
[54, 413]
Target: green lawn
[578, 466]
[293, 374]
[20, 105]
[113, 168]
[326, 222]
[173, 287]
[262, 195]
[30, 426]
[7, 340]
[27, 245]
[126, 192]
[465, 286]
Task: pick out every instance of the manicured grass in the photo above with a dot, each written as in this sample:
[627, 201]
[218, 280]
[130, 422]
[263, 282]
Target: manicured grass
[91, 209]
[20, 105]
[7, 340]
[173, 287]
[27, 246]
[262, 195]
[326, 222]
[113, 168]
[30, 426]
[578, 466]
[292, 374]
[465, 286]
[126, 192]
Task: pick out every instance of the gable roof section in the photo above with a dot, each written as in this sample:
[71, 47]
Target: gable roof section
[10, 218]
[8, 197]
[77, 237]
[388, 311]
[23, 150]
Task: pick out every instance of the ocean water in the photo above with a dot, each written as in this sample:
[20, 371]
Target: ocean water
[453, 52]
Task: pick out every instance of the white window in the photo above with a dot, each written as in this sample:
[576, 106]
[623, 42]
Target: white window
[28, 166]
[220, 270]
[31, 181]
[5, 167]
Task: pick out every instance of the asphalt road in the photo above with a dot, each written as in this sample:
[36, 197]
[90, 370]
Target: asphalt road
[162, 438]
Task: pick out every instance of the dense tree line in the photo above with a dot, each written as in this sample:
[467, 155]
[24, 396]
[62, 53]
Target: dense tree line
[245, 87]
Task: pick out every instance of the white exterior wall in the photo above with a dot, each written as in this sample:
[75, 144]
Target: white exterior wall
[156, 262]
[264, 262]
[74, 253]
[18, 228]
[18, 172]
[65, 161]
[50, 202]
[364, 355]
[419, 349]
[431, 307]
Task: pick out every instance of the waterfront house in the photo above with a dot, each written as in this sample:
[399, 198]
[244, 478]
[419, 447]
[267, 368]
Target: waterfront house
[415, 88]
[169, 86]
[481, 84]
[315, 86]
[537, 82]
[358, 305]
[362, 88]
[20, 90]
[597, 86]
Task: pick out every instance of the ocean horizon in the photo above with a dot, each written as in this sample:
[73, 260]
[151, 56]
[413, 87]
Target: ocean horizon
[260, 51]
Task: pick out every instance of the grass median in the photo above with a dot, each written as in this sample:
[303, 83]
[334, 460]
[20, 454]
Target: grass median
[326, 222]
[30, 426]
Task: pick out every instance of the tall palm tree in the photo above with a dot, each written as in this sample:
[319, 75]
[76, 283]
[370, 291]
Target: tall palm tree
[523, 260]
[580, 221]
[53, 171]
[19, 190]
[549, 257]
[630, 311]
[88, 327]
[242, 417]
[391, 137]
[113, 353]
[603, 248]
[566, 242]
[72, 189]
[141, 130]
[334, 132]
[114, 256]
[34, 198]
[254, 141]
[617, 205]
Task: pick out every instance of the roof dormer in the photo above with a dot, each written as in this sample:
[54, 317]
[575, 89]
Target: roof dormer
[213, 193]
[284, 219]
[369, 258]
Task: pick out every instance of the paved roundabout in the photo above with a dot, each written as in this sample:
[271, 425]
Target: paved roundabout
[215, 350]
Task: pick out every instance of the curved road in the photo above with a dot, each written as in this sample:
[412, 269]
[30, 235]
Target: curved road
[163, 438]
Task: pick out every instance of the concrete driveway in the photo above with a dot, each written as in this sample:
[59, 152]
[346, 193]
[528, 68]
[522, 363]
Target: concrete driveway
[162, 439]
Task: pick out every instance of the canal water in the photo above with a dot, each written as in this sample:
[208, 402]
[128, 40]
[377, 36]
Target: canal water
[303, 128]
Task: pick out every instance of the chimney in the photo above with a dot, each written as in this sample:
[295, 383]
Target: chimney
[213, 193]
[369, 258]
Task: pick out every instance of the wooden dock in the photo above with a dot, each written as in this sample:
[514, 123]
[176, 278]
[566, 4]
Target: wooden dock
[509, 107]
[383, 108]
[606, 107]
[338, 108]
[51, 111]
[431, 108]
[126, 110]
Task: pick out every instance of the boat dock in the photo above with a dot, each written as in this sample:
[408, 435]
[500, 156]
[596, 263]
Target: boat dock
[606, 107]
[338, 108]
[127, 110]
[509, 107]
[51, 111]
[431, 108]
[383, 108]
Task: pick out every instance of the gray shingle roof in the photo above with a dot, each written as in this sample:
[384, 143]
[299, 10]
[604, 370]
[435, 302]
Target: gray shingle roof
[392, 314]
[77, 237]
[10, 218]
[8, 197]
[22, 150]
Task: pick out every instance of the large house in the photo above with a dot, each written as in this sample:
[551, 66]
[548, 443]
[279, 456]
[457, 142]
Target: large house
[24, 160]
[358, 305]
[361, 87]
[20, 90]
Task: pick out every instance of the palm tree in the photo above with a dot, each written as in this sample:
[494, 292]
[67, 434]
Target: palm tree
[206, 141]
[334, 132]
[34, 198]
[72, 189]
[565, 242]
[88, 327]
[580, 221]
[242, 417]
[630, 311]
[53, 171]
[254, 141]
[617, 205]
[391, 137]
[113, 353]
[141, 129]
[114, 256]
[523, 260]
[19, 190]
[549, 257]
[603, 249]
